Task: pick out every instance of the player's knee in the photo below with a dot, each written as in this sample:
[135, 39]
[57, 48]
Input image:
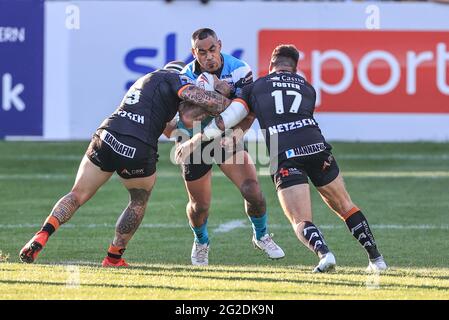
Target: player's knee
[343, 206]
[80, 196]
[139, 197]
[251, 192]
[197, 207]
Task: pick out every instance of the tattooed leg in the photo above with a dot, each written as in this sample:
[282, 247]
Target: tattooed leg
[65, 208]
[62, 212]
[131, 217]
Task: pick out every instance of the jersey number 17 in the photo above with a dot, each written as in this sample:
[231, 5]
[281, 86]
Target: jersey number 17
[279, 101]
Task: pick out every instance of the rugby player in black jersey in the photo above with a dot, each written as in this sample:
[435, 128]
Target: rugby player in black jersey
[126, 143]
[284, 103]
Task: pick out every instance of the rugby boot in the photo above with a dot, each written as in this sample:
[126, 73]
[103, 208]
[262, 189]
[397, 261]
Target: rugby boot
[377, 265]
[327, 263]
[29, 252]
[267, 245]
[200, 254]
[111, 262]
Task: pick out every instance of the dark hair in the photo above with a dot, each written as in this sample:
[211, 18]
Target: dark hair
[203, 33]
[285, 55]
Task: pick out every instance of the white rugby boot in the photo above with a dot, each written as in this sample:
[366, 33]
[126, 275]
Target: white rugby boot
[327, 263]
[267, 244]
[377, 265]
[200, 254]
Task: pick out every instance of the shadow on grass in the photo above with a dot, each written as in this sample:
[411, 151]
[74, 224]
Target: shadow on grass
[207, 273]
[118, 286]
[397, 273]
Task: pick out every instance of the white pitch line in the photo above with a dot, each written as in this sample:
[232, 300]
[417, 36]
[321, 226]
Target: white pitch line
[394, 156]
[261, 172]
[30, 157]
[397, 174]
[375, 226]
[229, 226]
[94, 226]
[35, 176]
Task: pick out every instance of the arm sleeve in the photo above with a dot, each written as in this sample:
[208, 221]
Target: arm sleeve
[234, 113]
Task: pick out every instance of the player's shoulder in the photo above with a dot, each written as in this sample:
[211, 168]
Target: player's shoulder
[234, 66]
[267, 79]
[172, 78]
[233, 63]
[189, 70]
[163, 75]
[150, 79]
[237, 69]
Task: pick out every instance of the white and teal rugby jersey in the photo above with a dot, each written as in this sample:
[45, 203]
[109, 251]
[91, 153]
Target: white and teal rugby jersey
[234, 71]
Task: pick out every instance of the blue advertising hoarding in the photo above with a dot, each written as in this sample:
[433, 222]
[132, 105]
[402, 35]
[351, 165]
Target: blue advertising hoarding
[21, 67]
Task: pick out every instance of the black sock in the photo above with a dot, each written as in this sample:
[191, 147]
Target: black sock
[115, 253]
[312, 238]
[49, 228]
[359, 227]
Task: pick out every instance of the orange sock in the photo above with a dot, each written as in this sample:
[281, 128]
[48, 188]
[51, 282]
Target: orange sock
[51, 224]
[346, 215]
[115, 253]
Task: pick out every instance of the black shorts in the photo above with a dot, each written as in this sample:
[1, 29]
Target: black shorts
[211, 152]
[321, 168]
[126, 155]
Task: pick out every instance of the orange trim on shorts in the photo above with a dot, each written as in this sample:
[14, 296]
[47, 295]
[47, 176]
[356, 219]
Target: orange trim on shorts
[183, 88]
[244, 103]
[349, 213]
[53, 221]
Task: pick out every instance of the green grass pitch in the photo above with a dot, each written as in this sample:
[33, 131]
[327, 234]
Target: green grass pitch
[401, 188]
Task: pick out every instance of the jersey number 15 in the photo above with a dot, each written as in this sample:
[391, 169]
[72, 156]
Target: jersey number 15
[279, 100]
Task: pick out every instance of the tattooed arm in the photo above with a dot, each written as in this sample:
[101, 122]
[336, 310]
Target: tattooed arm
[210, 101]
[230, 117]
[189, 113]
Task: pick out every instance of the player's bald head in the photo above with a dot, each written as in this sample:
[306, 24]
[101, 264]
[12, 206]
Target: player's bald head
[202, 34]
[206, 49]
[285, 56]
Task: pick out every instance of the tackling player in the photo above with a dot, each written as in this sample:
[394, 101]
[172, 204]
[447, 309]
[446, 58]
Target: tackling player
[126, 143]
[284, 103]
[234, 74]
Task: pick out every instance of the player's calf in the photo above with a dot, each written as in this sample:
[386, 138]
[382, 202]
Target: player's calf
[126, 226]
[312, 238]
[359, 228]
[255, 207]
[255, 203]
[61, 213]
